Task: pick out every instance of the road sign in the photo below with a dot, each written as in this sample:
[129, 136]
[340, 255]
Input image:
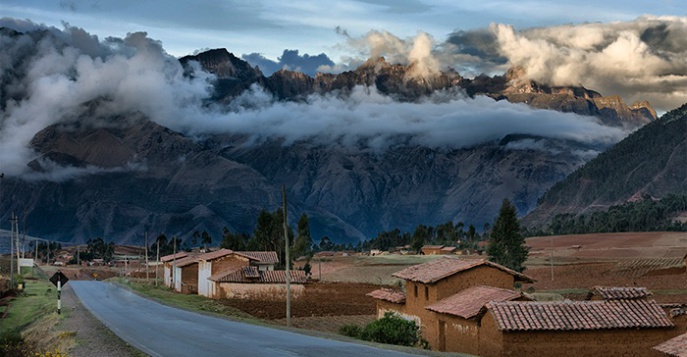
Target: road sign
[59, 277]
[59, 280]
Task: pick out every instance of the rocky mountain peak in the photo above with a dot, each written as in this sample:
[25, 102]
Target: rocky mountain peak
[644, 105]
[224, 64]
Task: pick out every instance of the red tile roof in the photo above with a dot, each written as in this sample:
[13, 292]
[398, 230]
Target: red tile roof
[263, 257]
[676, 347]
[265, 277]
[180, 263]
[222, 253]
[435, 270]
[577, 315]
[620, 293]
[467, 303]
[171, 257]
[396, 297]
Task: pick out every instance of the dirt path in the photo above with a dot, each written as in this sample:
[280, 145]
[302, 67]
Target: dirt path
[93, 339]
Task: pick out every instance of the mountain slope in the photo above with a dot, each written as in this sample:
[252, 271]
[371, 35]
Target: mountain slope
[651, 161]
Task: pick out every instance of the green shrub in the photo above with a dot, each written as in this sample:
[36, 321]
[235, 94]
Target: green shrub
[351, 330]
[392, 329]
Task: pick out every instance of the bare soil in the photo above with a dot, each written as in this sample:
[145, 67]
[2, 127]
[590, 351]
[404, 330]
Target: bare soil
[320, 299]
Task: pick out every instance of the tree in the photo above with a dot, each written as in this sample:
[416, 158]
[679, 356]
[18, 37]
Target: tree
[303, 242]
[420, 236]
[506, 242]
[205, 239]
[195, 237]
[233, 241]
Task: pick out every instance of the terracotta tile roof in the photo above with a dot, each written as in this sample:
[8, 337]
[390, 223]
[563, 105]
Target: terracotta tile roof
[263, 257]
[265, 277]
[432, 246]
[180, 263]
[448, 249]
[222, 253]
[619, 293]
[577, 315]
[171, 257]
[676, 347]
[467, 303]
[396, 297]
[435, 270]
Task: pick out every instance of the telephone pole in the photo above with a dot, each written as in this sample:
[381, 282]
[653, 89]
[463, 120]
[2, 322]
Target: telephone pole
[147, 267]
[12, 251]
[288, 262]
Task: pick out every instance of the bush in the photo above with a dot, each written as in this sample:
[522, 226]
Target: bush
[351, 330]
[392, 329]
[13, 345]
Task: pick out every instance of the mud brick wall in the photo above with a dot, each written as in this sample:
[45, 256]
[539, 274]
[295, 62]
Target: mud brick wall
[228, 262]
[189, 277]
[269, 292]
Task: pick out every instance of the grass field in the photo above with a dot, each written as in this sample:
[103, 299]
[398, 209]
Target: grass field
[33, 314]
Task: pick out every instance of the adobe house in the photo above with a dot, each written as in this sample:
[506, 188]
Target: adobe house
[249, 282]
[431, 249]
[469, 306]
[265, 260]
[573, 328]
[186, 275]
[448, 250]
[429, 283]
[458, 316]
[675, 347]
[221, 260]
[167, 260]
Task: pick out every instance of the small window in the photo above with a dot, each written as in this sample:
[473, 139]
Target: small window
[415, 290]
[426, 293]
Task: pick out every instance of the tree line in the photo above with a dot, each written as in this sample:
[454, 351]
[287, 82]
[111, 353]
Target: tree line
[644, 215]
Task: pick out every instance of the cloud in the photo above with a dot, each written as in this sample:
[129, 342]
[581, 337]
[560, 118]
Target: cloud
[55, 76]
[418, 51]
[368, 118]
[290, 60]
[641, 59]
[65, 76]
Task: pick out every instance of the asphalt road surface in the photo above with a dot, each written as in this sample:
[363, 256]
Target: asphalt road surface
[160, 330]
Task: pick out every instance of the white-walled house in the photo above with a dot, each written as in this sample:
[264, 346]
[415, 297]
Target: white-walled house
[168, 260]
[216, 262]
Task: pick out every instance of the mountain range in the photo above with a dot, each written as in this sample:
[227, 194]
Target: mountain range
[145, 177]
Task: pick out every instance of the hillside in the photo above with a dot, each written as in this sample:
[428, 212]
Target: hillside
[650, 161]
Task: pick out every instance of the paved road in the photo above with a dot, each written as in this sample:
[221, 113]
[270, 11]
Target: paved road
[160, 330]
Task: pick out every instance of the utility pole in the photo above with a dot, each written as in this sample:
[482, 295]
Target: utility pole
[288, 262]
[174, 262]
[551, 258]
[12, 250]
[157, 261]
[78, 258]
[147, 272]
[23, 239]
[16, 233]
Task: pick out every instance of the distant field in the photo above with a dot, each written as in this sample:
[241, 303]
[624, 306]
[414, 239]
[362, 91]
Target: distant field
[649, 259]
[612, 245]
[366, 269]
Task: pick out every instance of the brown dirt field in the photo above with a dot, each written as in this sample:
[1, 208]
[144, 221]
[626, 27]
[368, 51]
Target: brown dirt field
[320, 299]
[613, 245]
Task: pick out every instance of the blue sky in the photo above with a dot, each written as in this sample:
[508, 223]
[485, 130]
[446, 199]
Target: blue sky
[270, 26]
